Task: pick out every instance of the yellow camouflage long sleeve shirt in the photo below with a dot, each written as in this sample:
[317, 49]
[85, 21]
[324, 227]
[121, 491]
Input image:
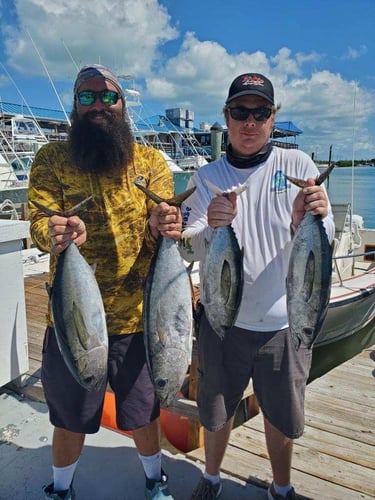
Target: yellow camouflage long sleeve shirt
[119, 242]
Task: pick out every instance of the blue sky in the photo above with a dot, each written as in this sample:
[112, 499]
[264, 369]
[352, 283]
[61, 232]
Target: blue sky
[319, 54]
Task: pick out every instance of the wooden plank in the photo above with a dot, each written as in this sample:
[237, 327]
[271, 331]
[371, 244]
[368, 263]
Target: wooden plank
[341, 447]
[255, 469]
[353, 421]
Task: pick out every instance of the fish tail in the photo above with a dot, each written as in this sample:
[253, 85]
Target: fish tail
[324, 175]
[67, 213]
[318, 181]
[297, 182]
[219, 192]
[175, 201]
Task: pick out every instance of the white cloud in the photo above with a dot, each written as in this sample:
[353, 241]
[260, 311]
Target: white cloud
[123, 34]
[352, 54]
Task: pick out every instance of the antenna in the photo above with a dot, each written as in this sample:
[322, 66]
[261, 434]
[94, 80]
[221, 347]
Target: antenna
[353, 161]
[53, 86]
[353, 145]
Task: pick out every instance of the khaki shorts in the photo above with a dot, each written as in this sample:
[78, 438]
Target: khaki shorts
[279, 374]
[73, 408]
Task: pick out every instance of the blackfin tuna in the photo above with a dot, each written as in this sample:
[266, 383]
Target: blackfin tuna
[78, 314]
[308, 282]
[167, 312]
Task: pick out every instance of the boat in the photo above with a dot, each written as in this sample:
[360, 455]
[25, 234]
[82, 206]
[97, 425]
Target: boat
[20, 139]
[173, 139]
[349, 326]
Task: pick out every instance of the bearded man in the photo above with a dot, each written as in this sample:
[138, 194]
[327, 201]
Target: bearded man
[117, 232]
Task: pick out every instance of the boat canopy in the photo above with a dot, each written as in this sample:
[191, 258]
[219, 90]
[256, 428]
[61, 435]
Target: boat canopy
[285, 129]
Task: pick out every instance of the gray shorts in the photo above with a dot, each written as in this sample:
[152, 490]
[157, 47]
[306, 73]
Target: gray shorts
[73, 408]
[279, 374]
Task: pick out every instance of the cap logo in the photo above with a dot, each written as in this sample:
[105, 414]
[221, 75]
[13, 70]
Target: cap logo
[252, 80]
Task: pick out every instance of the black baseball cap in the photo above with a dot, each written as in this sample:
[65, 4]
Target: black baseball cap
[251, 84]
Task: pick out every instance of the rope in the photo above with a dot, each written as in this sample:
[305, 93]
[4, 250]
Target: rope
[354, 255]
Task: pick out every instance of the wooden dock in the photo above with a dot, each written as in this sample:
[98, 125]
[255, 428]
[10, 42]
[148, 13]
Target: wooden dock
[335, 458]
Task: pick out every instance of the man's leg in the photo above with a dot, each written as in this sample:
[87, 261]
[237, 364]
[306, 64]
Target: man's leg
[215, 444]
[280, 450]
[66, 447]
[147, 438]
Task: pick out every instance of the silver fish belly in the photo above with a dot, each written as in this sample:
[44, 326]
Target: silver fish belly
[308, 282]
[222, 280]
[79, 319]
[167, 316]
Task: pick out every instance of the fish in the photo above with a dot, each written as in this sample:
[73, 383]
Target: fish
[78, 313]
[222, 274]
[308, 282]
[167, 312]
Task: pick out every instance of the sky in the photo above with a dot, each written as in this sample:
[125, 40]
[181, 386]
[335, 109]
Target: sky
[319, 55]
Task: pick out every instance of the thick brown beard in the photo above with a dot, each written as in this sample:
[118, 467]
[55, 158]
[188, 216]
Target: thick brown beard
[100, 147]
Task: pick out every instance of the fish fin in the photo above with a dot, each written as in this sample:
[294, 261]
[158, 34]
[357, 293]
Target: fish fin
[140, 184]
[309, 277]
[241, 188]
[93, 267]
[76, 208]
[79, 324]
[214, 189]
[177, 200]
[49, 289]
[46, 210]
[190, 268]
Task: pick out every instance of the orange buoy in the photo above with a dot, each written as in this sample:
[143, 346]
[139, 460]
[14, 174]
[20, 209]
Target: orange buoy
[174, 427]
[109, 414]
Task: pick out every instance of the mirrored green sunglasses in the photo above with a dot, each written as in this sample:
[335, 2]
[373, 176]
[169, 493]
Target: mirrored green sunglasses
[88, 97]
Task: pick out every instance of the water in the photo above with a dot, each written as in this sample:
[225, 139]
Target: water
[180, 181]
[339, 189]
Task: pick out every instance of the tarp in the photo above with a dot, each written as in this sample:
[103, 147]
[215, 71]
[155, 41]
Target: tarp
[285, 129]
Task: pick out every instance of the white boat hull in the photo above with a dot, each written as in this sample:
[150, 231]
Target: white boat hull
[351, 308]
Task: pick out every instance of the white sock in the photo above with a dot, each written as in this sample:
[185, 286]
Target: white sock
[282, 490]
[152, 465]
[213, 479]
[63, 476]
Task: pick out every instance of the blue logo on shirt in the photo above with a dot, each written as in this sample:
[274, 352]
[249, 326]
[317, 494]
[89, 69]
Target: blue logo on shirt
[279, 182]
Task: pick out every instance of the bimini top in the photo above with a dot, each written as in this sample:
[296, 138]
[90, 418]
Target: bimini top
[285, 129]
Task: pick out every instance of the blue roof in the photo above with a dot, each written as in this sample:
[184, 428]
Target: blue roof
[287, 128]
[33, 112]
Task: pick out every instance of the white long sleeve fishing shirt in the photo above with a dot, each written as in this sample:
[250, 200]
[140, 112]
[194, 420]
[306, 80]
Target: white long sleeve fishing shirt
[262, 227]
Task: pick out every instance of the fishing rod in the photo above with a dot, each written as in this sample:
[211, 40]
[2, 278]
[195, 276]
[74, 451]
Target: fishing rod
[18, 90]
[70, 55]
[50, 79]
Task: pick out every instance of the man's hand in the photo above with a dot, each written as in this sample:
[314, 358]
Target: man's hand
[222, 210]
[166, 220]
[311, 198]
[64, 230]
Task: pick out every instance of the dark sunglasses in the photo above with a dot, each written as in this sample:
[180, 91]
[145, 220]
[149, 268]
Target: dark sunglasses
[241, 113]
[88, 97]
